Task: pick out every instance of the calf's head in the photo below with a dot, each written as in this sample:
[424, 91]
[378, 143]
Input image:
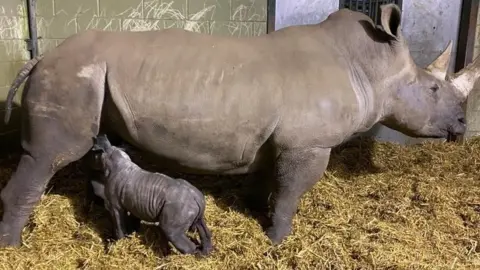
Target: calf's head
[423, 102]
[107, 156]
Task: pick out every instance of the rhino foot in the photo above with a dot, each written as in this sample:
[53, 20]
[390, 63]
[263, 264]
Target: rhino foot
[9, 237]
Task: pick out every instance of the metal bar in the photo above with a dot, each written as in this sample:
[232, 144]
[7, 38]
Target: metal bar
[376, 13]
[32, 27]
[399, 3]
[370, 11]
[271, 8]
[466, 42]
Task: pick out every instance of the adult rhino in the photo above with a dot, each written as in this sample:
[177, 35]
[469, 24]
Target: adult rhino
[274, 104]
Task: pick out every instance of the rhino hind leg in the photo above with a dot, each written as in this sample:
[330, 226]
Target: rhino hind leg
[297, 171]
[53, 136]
[26, 186]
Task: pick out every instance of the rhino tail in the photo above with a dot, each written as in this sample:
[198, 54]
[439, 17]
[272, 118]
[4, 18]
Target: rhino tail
[21, 76]
[205, 236]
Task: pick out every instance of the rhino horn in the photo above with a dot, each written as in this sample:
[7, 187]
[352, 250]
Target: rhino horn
[465, 79]
[439, 66]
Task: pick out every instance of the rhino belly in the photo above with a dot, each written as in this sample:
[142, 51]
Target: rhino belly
[204, 110]
[198, 145]
[195, 148]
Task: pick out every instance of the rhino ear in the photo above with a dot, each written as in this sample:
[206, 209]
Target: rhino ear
[439, 66]
[391, 18]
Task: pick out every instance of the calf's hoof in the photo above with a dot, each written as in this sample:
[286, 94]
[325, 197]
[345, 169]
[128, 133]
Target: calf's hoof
[201, 253]
[8, 238]
[205, 251]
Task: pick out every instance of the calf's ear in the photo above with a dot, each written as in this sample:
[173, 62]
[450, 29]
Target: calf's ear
[96, 146]
[391, 18]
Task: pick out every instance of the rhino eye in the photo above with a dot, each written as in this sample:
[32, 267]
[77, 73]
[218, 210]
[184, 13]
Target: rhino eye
[434, 88]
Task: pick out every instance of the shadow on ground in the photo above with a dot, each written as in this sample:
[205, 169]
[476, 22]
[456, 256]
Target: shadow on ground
[229, 192]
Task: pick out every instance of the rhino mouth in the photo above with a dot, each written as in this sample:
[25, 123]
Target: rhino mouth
[451, 136]
[452, 133]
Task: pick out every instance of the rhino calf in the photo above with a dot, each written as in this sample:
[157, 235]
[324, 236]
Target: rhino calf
[154, 197]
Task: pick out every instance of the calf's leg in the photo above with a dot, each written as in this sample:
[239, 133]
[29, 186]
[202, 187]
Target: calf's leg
[296, 172]
[180, 241]
[119, 220]
[205, 236]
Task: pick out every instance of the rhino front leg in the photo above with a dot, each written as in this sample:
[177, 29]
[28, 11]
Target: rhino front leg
[296, 172]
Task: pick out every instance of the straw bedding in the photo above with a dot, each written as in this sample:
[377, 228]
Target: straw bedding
[379, 205]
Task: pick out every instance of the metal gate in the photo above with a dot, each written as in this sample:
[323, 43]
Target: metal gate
[368, 7]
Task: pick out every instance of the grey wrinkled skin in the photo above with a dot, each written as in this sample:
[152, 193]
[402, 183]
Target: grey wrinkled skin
[176, 204]
[271, 106]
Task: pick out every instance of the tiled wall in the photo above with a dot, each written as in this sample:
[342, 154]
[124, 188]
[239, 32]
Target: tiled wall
[58, 19]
